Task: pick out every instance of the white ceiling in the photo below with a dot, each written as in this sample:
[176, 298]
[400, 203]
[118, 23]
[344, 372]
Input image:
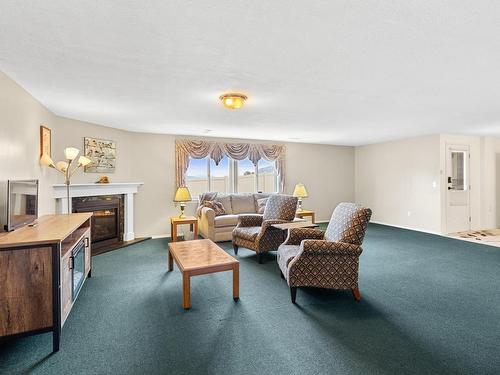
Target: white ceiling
[337, 71]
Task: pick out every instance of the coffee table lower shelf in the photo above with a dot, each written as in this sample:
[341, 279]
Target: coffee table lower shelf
[201, 257]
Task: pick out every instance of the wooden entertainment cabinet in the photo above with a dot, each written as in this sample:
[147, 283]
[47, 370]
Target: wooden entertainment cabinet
[38, 269]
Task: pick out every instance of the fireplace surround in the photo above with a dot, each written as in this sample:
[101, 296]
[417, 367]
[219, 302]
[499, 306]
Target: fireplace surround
[126, 189]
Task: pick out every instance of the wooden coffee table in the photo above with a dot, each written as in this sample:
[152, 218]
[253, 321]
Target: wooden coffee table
[201, 257]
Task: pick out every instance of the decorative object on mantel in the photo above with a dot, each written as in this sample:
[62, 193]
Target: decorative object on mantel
[188, 148]
[182, 195]
[64, 167]
[45, 141]
[102, 153]
[103, 180]
[300, 192]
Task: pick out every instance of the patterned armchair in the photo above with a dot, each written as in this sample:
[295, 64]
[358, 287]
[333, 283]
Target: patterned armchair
[255, 232]
[326, 259]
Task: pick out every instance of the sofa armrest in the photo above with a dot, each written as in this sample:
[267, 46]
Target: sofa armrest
[296, 235]
[251, 220]
[206, 223]
[319, 247]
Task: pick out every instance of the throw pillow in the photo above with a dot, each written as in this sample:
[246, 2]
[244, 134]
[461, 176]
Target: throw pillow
[216, 206]
[261, 205]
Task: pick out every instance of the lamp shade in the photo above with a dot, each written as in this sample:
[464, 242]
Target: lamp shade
[62, 166]
[83, 161]
[300, 191]
[71, 153]
[46, 161]
[182, 194]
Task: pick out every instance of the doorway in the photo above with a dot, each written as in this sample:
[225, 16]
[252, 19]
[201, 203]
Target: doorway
[458, 188]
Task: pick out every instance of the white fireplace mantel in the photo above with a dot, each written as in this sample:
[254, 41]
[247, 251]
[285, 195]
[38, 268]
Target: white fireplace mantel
[128, 189]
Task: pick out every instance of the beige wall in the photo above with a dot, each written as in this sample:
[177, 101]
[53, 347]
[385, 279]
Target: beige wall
[327, 171]
[70, 133]
[20, 119]
[490, 177]
[400, 182]
[305, 163]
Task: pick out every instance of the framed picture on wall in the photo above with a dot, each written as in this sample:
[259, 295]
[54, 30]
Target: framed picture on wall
[102, 154]
[45, 141]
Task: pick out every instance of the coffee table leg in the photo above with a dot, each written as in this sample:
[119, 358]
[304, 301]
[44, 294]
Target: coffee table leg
[236, 282]
[186, 290]
[170, 261]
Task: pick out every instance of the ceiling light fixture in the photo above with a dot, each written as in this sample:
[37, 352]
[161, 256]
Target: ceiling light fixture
[233, 100]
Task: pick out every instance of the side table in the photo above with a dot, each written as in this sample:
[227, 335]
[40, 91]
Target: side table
[176, 220]
[305, 213]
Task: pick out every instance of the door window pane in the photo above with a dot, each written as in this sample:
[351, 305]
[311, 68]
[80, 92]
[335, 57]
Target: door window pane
[197, 177]
[458, 170]
[246, 176]
[267, 181]
[220, 176]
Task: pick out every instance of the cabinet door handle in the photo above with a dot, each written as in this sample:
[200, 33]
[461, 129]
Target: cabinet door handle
[71, 262]
[86, 242]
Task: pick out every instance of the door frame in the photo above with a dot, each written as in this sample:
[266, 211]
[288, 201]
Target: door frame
[457, 147]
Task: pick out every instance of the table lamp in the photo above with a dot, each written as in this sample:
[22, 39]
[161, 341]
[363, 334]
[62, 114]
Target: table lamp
[300, 192]
[65, 167]
[182, 196]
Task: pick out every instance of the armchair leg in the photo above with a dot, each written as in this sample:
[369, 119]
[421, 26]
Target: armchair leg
[259, 258]
[356, 294]
[293, 293]
[235, 248]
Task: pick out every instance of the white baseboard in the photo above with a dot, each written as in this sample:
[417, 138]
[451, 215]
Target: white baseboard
[408, 228]
[165, 235]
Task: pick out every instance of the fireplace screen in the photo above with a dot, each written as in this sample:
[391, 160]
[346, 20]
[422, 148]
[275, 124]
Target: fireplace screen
[105, 225]
[107, 221]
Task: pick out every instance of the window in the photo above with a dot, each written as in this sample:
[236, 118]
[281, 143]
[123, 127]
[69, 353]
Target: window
[197, 176]
[220, 176]
[239, 176]
[267, 176]
[246, 176]
[457, 180]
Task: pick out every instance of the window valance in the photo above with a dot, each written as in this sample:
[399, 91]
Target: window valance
[186, 148]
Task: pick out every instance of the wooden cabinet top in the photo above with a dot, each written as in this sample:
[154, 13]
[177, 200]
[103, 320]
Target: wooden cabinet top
[49, 229]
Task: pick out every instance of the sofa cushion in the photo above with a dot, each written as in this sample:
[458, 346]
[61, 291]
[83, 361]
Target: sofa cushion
[261, 205]
[257, 196]
[226, 221]
[214, 205]
[247, 233]
[242, 203]
[225, 199]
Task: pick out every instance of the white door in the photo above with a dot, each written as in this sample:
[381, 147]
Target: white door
[458, 188]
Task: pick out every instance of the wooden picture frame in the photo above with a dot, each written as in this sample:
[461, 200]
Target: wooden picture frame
[45, 141]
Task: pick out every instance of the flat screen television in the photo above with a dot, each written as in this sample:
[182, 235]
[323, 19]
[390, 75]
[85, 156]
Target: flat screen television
[22, 203]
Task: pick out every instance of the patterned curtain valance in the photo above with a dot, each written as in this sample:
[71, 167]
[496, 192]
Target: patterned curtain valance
[186, 148]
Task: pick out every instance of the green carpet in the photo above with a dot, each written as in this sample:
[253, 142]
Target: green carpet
[431, 305]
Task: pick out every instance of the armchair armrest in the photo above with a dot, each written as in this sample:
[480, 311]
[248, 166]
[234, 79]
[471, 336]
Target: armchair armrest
[268, 223]
[266, 228]
[322, 247]
[252, 220]
[296, 235]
